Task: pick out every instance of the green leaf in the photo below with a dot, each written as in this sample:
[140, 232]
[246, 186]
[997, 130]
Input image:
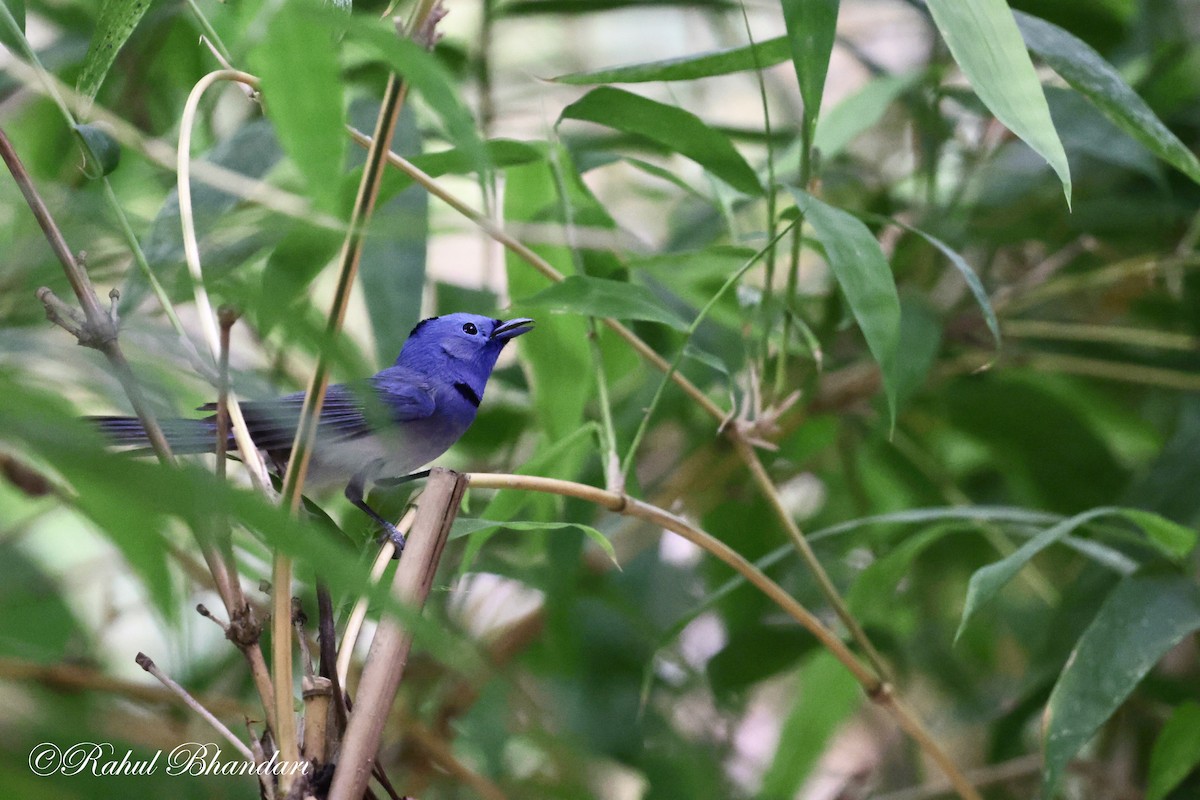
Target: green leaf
[1173, 539]
[920, 341]
[689, 68]
[859, 112]
[826, 697]
[117, 20]
[392, 267]
[1144, 617]
[426, 75]
[102, 153]
[678, 130]
[466, 527]
[1176, 751]
[972, 280]
[599, 297]
[866, 280]
[811, 26]
[559, 354]
[302, 92]
[987, 581]
[1093, 77]
[984, 40]
[12, 28]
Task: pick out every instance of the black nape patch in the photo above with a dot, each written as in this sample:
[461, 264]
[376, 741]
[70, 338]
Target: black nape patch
[420, 324]
[468, 393]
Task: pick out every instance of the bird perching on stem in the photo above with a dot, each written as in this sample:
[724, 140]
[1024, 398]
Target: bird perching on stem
[384, 427]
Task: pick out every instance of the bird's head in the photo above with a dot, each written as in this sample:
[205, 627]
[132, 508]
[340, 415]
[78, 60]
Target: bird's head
[463, 344]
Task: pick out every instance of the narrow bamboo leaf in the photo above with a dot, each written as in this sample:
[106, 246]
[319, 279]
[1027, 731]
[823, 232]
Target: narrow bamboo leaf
[664, 174]
[866, 280]
[117, 20]
[599, 297]
[1172, 538]
[826, 697]
[1144, 617]
[431, 80]
[392, 266]
[12, 27]
[1176, 751]
[466, 527]
[101, 151]
[920, 340]
[251, 150]
[302, 89]
[559, 354]
[972, 280]
[680, 131]
[1093, 77]
[987, 581]
[811, 25]
[859, 112]
[689, 68]
[984, 40]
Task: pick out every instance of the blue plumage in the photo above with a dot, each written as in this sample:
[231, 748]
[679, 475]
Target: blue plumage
[385, 427]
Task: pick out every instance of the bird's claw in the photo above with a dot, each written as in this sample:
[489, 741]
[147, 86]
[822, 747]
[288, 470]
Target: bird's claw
[392, 534]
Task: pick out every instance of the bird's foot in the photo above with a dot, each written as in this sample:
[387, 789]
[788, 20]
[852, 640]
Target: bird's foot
[392, 534]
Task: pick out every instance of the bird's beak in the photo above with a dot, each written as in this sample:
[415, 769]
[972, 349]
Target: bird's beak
[512, 329]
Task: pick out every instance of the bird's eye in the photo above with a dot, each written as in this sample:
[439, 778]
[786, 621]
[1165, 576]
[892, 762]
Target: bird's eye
[470, 328]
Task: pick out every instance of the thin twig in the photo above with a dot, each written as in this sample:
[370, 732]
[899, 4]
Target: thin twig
[386, 660]
[146, 663]
[359, 614]
[249, 453]
[74, 678]
[97, 328]
[879, 691]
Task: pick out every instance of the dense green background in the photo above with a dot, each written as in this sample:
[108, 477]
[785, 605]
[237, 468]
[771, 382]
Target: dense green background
[992, 319]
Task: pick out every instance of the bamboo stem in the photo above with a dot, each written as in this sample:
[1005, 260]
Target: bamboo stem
[388, 655]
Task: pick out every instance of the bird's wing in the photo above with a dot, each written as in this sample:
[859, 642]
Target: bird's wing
[347, 413]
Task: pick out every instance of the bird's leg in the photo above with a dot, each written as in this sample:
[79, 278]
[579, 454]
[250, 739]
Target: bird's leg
[354, 493]
[391, 483]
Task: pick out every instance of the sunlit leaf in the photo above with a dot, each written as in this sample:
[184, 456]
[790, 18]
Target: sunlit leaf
[672, 127]
[1093, 77]
[1143, 618]
[558, 354]
[984, 40]
[302, 90]
[824, 699]
[859, 112]
[597, 297]
[426, 75]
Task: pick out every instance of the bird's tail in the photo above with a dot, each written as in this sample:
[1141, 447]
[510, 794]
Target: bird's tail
[184, 435]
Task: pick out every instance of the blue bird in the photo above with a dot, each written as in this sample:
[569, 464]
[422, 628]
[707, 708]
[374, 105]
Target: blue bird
[383, 428]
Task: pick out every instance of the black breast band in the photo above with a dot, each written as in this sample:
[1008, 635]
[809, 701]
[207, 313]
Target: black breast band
[468, 393]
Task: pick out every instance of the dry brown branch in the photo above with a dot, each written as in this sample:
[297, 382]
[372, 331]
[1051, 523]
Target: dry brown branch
[388, 655]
